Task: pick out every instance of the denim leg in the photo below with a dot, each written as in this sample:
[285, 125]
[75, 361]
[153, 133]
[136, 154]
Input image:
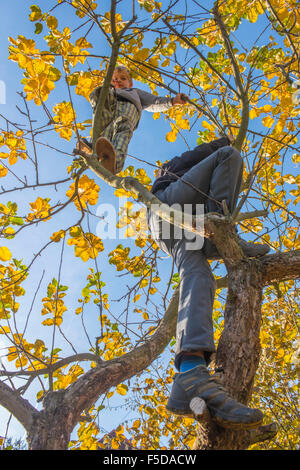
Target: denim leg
[219, 177]
[196, 292]
[196, 297]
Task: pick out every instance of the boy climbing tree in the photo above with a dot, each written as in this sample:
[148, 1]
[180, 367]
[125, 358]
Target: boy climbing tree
[120, 116]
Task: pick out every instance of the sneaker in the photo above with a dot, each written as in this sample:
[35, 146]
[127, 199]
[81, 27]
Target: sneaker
[226, 411]
[250, 249]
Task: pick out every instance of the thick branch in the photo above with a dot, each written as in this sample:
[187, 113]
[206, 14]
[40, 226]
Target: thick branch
[198, 225]
[281, 267]
[87, 389]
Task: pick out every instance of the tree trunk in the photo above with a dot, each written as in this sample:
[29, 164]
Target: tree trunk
[51, 428]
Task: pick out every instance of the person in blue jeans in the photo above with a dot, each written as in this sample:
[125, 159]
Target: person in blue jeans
[206, 175]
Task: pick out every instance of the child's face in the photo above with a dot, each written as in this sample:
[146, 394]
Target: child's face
[121, 79]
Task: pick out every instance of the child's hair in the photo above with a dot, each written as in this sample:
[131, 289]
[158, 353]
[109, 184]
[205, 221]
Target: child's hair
[122, 68]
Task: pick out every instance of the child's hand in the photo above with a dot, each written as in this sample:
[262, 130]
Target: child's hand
[180, 98]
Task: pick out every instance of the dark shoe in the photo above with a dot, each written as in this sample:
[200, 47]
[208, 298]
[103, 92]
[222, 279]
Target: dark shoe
[226, 411]
[250, 249]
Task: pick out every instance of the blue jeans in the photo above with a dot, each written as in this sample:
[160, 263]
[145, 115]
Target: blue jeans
[216, 178]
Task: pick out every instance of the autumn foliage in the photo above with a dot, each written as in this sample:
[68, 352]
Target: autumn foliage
[242, 85]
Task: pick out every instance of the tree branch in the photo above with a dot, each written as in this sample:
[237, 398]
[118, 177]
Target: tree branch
[242, 92]
[115, 46]
[192, 46]
[87, 389]
[57, 365]
[281, 267]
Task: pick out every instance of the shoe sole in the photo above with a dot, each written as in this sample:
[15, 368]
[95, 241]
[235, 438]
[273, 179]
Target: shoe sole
[179, 408]
[236, 426]
[188, 413]
[106, 154]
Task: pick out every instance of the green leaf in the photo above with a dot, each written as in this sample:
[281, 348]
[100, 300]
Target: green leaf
[73, 79]
[85, 292]
[16, 220]
[63, 288]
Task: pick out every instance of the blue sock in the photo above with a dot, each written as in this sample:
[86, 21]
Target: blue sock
[189, 362]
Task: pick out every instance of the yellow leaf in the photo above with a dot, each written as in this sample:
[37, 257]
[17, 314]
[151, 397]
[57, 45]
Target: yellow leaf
[52, 22]
[35, 14]
[114, 444]
[172, 135]
[268, 121]
[122, 389]
[57, 236]
[3, 171]
[253, 113]
[136, 424]
[184, 124]
[279, 127]
[22, 361]
[4, 330]
[208, 126]
[267, 108]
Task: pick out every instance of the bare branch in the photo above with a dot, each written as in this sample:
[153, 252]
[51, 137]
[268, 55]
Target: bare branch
[242, 91]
